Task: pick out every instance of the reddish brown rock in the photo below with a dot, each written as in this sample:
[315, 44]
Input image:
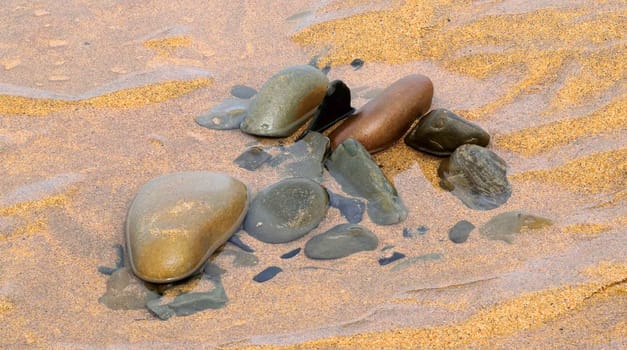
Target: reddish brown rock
[386, 118]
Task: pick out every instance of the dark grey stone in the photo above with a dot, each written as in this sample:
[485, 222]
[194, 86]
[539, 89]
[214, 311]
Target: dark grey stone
[243, 91]
[460, 232]
[252, 158]
[341, 241]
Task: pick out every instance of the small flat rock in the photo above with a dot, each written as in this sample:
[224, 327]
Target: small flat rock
[252, 158]
[460, 232]
[287, 210]
[292, 253]
[351, 208]
[357, 63]
[126, 292]
[226, 116]
[341, 241]
[388, 260]
[237, 241]
[506, 226]
[189, 303]
[304, 157]
[267, 274]
[243, 91]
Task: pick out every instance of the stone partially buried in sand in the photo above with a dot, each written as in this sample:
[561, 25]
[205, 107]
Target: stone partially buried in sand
[441, 131]
[227, 115]
[341, 241]
[477, 176]
[285, 102]
[505, 226]
[353, 168]
[287, 210]
[386, 118]
[177, 221]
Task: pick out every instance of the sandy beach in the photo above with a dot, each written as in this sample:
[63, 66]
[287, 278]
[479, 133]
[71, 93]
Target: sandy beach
[97, 98]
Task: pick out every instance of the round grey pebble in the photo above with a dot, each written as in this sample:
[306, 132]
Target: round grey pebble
[460, 232]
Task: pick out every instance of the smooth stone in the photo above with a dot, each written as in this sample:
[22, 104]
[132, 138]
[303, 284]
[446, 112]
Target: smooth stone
[341, 241]
[285, 102]
[105, 270]
[287, 210]
[226, 116]
[177, 221]
[460, 231]
[353, 168]
[125, 292]
[252, 158]
[441, 131]
[189, 303]
[335, 106]
[291, 253]
[351, 208]
[477, 176]
[388, 260]
[505, 226]
[304, 157]
[267, 274]
[237, 241]
[243, 91]
[386, 118]
[413, 260]
[357, 63]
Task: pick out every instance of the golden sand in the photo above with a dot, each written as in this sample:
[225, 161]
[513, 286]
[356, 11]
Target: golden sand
[599, 172]
[5, 306]
[531, 141]
[523, 312]
[166, 46]
[30, 207]
[400, 157]
[587, 228]
[127, 98]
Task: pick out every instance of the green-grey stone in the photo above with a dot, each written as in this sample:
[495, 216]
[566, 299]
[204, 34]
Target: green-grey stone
[477, 176]
[287, 210]
[354, 169]
[177, 221]
[341, 241]
[304, 157]
[125, 292]
[227, 115]
[460, 231]
[189, 303]
[505, 226]
[441, 131]
[285, 102]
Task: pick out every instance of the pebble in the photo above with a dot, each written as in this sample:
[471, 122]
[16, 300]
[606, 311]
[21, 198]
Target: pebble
[287, 210]
[386, 118]
[252, 158]
[351, 208]
[237, 241]
[304, 157]
[505, 226]
[285, 102]
[189, 303]
[291, 253]
[341, 241]
[125, 292]
[357, 63]
[243, 91]
[420, 230]
[241, 258]
[477, 176]
[267, 274]
[177, 221]
[226, 116]
[335, 107]
[353, 168]
[441, 131]
[460, 232]
[388, 260]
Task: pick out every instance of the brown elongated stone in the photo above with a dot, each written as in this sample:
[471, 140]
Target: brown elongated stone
[386, 118]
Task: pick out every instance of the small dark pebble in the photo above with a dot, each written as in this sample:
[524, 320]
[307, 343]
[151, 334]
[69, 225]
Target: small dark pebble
[395, 256]
[421, 230]
[326, 69]
[357, 63]
[236, 241]
[252, 158]
[335, 107]
[460, 232]
[291, 253]
[267, 274]
[351, 208]
[243, 91]
[106, 270]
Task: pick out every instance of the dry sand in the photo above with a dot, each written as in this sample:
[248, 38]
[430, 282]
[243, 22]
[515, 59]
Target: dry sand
[97, 98]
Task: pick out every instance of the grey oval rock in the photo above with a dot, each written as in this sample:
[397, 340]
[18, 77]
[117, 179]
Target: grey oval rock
[341, 241]
[477, 176]
[177, 221]
[441, 131]
[460, 232]
[287, 210]
[285, 102]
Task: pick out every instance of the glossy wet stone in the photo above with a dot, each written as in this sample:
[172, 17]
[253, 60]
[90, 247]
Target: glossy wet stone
[243, 91]
[353, 168]
[414, 260]
[506, 226]
[119, 251]
[441, 131]
[460, 231]
[351, 208]
[304, 157]
[252, 158]
[126, 292]
[292, 253]
[477, 176]
[357, 63]
[177, 221]
[287, 210]
[341, 241]
[386, 118]
[285, 102]
[267, 274]
[390, 259]
[227, 115]
[335, 107]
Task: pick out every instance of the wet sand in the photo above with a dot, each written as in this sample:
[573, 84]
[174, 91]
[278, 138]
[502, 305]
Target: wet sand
[96, 100]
